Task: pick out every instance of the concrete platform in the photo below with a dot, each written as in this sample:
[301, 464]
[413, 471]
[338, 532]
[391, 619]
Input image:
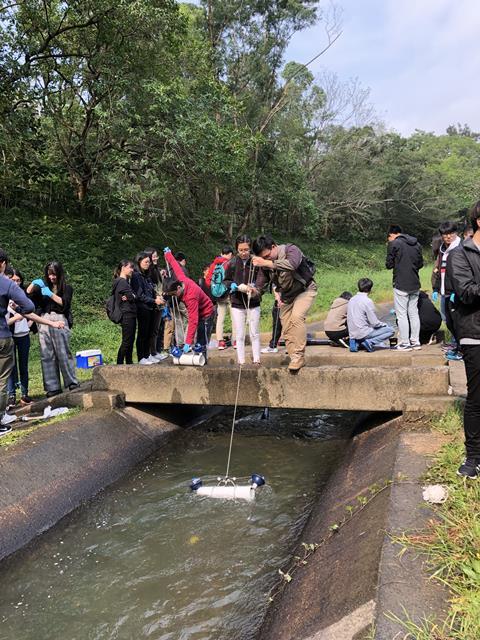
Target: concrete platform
[333, 379]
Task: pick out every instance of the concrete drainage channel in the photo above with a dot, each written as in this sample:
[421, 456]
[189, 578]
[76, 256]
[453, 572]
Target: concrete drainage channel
[350, 583]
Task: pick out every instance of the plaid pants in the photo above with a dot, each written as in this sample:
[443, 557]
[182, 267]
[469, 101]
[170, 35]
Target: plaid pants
[55, 354]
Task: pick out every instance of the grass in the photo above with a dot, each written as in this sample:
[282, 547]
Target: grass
[15, 436]
[452, 542]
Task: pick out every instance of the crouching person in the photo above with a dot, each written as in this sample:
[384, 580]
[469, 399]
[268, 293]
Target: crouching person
[336, 321]
[199, 307]
[292, 275]
[365, 329]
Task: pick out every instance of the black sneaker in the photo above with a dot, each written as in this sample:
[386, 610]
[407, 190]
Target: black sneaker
[75, 385]
[4, 431]
[11, 402]
[469, 469]
[50, 394]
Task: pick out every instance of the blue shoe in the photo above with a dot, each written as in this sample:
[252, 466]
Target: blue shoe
[368, 346]
[353, 345]
[453, 355]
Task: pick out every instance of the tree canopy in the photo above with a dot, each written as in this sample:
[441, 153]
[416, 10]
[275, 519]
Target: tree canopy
[192, 116]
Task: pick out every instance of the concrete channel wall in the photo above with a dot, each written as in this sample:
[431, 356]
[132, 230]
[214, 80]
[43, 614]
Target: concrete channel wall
[353, 583]
[49, 474]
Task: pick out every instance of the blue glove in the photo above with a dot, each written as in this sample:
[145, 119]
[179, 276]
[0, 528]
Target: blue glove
[167, 250]
[186, 348]
[452, 297]
[166, 313]
[233, 287]
[38, 282]
[435, 296]
[46, 292]
[392, 312]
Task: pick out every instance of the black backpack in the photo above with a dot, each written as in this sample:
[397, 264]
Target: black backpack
[113, 311]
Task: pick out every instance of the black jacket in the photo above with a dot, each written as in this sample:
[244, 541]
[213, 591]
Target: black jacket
[430, 318]
[143, 288]
[121, 287]
[404, 256]
[463, 271]
[240, 272]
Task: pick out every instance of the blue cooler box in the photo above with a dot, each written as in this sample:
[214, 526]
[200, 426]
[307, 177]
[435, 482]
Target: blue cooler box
[89, 359]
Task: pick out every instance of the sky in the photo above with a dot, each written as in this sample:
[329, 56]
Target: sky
[420, 59]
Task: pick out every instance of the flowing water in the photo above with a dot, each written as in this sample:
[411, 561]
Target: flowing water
[149, 559]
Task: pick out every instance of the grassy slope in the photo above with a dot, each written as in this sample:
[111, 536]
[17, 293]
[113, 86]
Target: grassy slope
[89, 252]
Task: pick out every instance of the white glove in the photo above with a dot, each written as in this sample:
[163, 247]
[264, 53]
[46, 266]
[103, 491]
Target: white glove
[244, 288]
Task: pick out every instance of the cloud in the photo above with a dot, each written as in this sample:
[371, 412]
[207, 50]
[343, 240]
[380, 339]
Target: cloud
[420, 59]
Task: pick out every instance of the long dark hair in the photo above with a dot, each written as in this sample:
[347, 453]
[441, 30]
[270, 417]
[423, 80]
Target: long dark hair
[57, 268]
[123, 263]
[138, 258]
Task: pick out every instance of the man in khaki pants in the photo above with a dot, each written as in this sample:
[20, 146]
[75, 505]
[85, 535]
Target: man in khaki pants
[292, 274]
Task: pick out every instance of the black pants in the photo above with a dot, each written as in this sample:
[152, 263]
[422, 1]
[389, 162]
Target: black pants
[157, 319]
[335, 336]
[471, 416]
[125, 353]
[450, 318]
[204, 331]
[144, 332]
[276, 327]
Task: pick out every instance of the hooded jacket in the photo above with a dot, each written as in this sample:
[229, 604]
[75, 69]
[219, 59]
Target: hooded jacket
[463, 272]
[336, 319]
[199, 306]
[440, 282]
[404, 256]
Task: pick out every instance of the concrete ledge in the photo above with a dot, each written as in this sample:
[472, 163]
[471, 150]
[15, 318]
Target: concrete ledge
[60, 465]
[351, 582]
[328, 387]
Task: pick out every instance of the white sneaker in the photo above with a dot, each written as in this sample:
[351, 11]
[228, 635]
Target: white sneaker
[7, 418]
[402, 347]
[416, 346]
[156, 356]
[269, 350]
[161, 356]
[145, 361]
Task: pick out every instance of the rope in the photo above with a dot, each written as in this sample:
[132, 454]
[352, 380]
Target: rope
[177, 316]
[247, 307]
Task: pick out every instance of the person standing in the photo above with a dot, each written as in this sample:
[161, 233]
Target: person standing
[215, 271]
[54, 297]
[292, 273]
[146, 299]
[9, 291]
[441, 285]
[125, 300]
[245, 300]
[404, 256]
[463, 271]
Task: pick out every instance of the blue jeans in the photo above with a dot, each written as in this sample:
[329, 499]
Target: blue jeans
[21, 351]
[377, 336]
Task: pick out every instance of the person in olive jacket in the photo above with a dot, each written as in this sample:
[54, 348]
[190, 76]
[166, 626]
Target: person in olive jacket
[463, 271]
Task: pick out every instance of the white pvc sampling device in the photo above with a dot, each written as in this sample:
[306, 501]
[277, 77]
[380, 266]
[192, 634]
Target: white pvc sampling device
[194, 358]
[227, 489]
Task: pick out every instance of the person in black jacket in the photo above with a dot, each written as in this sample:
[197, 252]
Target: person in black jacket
[245, 300]
[463, 271]
[430, 318]
[404, 256]
[146, 299]
[125, 300]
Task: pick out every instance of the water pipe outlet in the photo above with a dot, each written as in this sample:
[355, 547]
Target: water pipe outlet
[257, 480]
[195, 484]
